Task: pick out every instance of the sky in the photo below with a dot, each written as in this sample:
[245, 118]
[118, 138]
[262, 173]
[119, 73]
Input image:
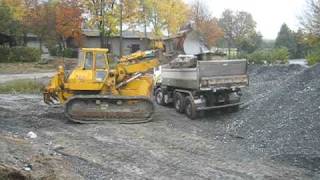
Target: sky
[269, 14]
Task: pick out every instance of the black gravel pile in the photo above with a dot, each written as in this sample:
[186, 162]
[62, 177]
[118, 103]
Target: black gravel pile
[284, 112]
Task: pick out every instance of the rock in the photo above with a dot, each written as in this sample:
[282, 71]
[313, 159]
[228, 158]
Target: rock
[27, 167]
[32, 135]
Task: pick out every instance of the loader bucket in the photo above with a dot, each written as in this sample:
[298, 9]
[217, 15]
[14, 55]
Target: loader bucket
[98, 108]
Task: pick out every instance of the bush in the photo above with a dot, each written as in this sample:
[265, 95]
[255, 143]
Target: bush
[278, 55]
[20, 54]
[68, 52]
[314, 56]
[259, 56]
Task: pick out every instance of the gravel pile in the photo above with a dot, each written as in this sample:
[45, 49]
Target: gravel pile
[284, 112]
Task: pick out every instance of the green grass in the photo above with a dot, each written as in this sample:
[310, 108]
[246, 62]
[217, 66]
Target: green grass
[21, 86]
[17, 68]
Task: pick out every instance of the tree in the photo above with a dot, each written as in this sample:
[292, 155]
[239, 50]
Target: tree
[311, 24]
[102, 14]
[238, 27]
[301, 44]
[311, 19]
[206, 25]
[250, 43]
[174, 14]
[286, 39]
[41, 22]
[68, 21]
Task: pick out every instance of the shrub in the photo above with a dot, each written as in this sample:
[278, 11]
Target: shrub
[314, 56]
[20, 54]
[68, 52]
[278, 55]
[54, 51]
[259, 56]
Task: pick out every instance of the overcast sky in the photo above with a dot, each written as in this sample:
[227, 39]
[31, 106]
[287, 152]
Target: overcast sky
[269, 14]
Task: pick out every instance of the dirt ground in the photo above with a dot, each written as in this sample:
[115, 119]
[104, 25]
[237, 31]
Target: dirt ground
[170, 147]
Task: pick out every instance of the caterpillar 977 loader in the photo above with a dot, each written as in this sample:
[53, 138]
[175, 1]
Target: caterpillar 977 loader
[97, 90]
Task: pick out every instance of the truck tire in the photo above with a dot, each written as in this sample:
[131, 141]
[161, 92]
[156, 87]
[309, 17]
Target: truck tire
[190, 108]
[179, 102]
[159, 96]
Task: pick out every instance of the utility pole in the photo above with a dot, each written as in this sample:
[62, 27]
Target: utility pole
[120, 48]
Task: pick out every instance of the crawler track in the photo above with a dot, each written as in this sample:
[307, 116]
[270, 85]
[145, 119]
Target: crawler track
[121, 109]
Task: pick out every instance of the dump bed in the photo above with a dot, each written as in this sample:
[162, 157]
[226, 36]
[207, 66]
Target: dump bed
[207, 75]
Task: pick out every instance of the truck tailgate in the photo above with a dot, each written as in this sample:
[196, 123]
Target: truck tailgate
[223, 74]
[222, 68]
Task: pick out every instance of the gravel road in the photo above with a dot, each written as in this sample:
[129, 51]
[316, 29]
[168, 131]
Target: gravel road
[261, 141]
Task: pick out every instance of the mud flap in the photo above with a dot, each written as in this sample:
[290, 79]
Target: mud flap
[97, 108]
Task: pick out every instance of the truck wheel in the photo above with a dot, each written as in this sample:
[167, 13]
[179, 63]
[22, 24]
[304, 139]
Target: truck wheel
[159, 97]
[190, 108]
[179, 102]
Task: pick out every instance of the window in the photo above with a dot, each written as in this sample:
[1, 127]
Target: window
[100, 61]
[135, 48]
[88, 61]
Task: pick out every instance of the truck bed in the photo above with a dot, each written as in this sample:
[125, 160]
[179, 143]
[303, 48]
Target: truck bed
[207, 75]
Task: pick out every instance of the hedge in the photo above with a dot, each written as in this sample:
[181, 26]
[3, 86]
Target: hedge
[314, 56]
[68, 52]
[278, 55]
[19, 54]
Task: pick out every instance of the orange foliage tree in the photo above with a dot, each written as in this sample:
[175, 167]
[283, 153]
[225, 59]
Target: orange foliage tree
[206, 25]
[68, 21]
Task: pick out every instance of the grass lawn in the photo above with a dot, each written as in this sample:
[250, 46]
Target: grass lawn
[25, 86]
[18, 68]
[35, 67]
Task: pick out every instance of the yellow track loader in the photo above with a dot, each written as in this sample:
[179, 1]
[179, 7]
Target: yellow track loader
[97, 90]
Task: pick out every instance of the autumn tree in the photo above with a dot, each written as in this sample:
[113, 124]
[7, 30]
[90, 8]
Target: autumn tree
[238, 27]
[311, 18]
[310, 22]
[103, 15]
[165, 15]
[17, 10]
[174, 14]
[206, 24]
[41, 22]
[68, 21]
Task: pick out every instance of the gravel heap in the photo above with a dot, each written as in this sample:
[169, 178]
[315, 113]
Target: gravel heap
[284, 112]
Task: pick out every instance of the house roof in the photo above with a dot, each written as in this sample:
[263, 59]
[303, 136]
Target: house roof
[125, 34]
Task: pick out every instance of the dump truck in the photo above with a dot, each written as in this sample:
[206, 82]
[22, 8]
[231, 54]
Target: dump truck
[200, 83]
[98, 90]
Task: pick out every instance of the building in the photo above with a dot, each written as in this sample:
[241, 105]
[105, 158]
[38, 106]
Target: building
[132, 41]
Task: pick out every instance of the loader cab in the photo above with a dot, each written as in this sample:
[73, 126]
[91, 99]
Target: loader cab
[95, 63]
